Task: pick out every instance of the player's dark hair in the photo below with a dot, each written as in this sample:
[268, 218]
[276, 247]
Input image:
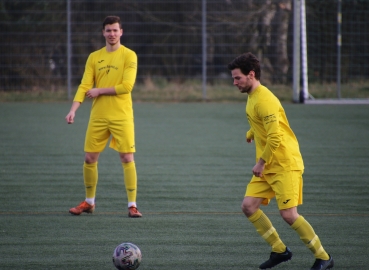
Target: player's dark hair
[112, 20]
[246, 62]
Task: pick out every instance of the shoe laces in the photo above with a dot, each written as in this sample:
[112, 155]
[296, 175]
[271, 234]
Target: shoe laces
[133, 209]
[84, 204]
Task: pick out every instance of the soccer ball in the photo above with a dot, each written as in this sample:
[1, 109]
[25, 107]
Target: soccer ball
[127, 256]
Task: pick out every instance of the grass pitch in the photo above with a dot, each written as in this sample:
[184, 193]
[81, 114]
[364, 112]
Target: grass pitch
[193, 165]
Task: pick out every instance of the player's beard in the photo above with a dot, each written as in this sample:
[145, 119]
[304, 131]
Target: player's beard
[113, 43]
[246, 89]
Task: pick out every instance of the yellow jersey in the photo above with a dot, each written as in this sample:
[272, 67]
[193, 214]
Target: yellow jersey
[275, 141]
[104, 69]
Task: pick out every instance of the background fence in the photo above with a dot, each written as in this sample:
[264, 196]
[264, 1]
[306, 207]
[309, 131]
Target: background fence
[167, 37]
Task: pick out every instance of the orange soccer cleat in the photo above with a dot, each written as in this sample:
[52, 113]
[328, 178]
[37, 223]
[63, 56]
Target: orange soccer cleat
[133, 212]
[82, 207]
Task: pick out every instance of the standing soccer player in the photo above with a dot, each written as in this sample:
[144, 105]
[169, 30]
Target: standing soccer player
[279, 167]
[109, 77]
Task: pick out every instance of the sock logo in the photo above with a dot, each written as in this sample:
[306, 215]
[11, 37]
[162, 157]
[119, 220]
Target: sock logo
[287, 201]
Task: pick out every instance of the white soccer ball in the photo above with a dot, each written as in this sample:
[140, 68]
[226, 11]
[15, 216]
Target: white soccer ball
[127, 256]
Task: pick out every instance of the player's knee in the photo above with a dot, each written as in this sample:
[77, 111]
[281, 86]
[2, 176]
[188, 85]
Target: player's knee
[126, 157]
[91, 157]
[248, 208]
[250, 205]
[244, 208]
[289, 215]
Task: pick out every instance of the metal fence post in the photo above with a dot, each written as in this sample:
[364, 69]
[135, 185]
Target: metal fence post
[69, 51]
[339, 43]
[204, 52]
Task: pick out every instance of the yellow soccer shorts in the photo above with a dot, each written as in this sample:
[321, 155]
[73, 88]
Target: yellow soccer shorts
[99, 131]
[286, 187]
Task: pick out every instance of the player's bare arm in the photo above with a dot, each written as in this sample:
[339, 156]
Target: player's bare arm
[95, 92]
[72, 113]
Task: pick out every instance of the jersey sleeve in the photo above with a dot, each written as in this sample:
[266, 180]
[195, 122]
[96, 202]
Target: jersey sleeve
[129, 74]
[87, 80]
[250, 134]
[269, 113]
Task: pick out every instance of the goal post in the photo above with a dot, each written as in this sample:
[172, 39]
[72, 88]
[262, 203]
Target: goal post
[300, 57]
[296, 50]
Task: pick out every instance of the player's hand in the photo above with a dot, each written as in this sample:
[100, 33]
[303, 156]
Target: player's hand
[70, 117]
[249, 140]
[92, 93]
[257, 171]
[259, 168]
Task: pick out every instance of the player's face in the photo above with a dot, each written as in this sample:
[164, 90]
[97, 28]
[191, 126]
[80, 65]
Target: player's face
[243, 82]
[112, 33]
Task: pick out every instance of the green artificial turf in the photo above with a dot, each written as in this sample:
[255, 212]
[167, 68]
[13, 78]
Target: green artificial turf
[193, 165]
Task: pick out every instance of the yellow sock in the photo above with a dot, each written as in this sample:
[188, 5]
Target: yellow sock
[265, 228]
[90, 177]
[130, 180]
[310, 239]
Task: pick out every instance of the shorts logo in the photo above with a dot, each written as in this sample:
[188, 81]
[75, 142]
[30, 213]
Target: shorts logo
[287, 201]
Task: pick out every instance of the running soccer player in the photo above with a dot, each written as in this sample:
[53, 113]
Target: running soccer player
[279, 167]
[109, 77]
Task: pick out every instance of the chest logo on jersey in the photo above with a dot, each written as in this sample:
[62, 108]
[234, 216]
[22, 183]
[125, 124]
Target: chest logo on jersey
[100, 61]
[107, 68]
